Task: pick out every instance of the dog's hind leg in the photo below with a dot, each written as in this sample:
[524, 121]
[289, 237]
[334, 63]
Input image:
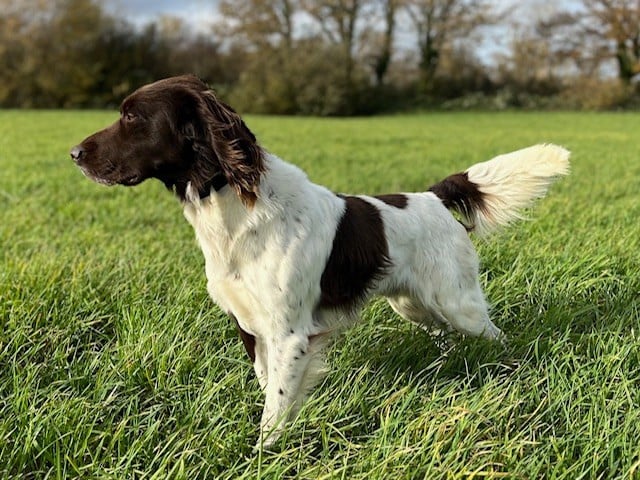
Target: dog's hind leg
[450, 287]
[466, 311]
[413, 310]
[455, 304]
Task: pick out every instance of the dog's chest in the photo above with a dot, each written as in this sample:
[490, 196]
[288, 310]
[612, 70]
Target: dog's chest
[237, 278]
[264, 264]
[236, 297]
[242, 268]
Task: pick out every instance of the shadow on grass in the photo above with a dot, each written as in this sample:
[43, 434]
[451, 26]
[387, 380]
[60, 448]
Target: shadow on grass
[398, 348]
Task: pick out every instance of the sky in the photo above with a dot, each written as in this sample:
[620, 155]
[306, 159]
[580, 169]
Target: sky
[140, 11]
[202, 13]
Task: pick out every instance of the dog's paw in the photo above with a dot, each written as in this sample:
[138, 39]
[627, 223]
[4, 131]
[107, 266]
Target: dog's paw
[266, 443]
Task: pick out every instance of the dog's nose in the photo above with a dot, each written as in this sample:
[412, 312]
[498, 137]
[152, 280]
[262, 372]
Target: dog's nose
[76, 153]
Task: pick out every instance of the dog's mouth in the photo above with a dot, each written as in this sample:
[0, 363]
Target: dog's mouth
[91, 176]
[131, 180]
[127, 181]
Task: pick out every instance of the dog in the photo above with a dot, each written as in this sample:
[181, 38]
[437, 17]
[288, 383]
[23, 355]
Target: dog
[292, 262]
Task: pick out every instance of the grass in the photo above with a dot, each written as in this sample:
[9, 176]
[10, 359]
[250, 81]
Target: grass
[115, 364]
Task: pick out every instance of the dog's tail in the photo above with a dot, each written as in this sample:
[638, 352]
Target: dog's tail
[493, 193]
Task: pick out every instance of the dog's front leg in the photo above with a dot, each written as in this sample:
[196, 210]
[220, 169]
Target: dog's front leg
[260, 363]
[256, 350]
[288, 358]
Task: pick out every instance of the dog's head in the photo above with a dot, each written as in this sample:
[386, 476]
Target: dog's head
[175, 130]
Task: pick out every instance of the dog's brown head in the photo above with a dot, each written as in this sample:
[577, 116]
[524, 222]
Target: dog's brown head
[175, 130]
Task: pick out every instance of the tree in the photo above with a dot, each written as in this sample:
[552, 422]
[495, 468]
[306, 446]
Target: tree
[600, 31]
[563, 46]
[543, 51]
[59, 53]
[20, 20]
[68, 72]
[379, 41]
[338, 20]
[265, 28]
[617, 23]
[261, 23]
[439, 23]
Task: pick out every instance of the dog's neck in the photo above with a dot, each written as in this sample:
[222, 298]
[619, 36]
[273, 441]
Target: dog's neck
[281, 186]
[217, 183]
[223, 207]
[232, 233]
[217, 218]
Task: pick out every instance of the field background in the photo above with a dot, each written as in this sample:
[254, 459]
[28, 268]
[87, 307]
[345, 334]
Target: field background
[115, 364]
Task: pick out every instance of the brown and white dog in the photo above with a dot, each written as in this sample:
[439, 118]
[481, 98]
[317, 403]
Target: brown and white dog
[292, 262]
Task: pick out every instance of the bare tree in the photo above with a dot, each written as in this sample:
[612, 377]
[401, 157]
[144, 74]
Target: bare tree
[601, 31]
[440, 22]
[338, 21]
[266, 28]
[617, 23]
[378, 36]
[261, 23]
[561, 44]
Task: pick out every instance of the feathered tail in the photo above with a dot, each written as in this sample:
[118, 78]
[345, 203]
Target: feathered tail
[493, 193]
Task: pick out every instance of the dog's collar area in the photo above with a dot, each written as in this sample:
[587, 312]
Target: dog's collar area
[217, 183]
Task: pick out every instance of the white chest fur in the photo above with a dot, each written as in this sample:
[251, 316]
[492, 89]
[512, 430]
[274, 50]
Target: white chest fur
[264, 262]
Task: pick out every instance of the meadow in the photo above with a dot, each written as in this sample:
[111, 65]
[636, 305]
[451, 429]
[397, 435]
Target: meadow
[114, 363]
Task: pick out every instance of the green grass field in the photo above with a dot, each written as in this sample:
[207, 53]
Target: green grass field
[115, 364]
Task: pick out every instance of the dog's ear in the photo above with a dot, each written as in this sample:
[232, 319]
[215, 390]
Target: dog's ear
[240, 157]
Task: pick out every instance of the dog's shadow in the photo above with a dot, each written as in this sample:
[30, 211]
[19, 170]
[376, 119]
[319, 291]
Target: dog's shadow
[386, 354]
[376, 361]
[395, 347]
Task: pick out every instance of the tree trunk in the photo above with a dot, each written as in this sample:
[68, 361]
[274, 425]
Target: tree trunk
[628, 65]
[383, 60]
[429, 58]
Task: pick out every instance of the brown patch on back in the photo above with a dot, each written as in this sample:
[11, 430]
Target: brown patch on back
[359, 256]
[459, 193]
[397, 200]
[248, 340]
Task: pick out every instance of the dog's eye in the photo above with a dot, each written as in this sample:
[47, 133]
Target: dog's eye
[129, 117]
